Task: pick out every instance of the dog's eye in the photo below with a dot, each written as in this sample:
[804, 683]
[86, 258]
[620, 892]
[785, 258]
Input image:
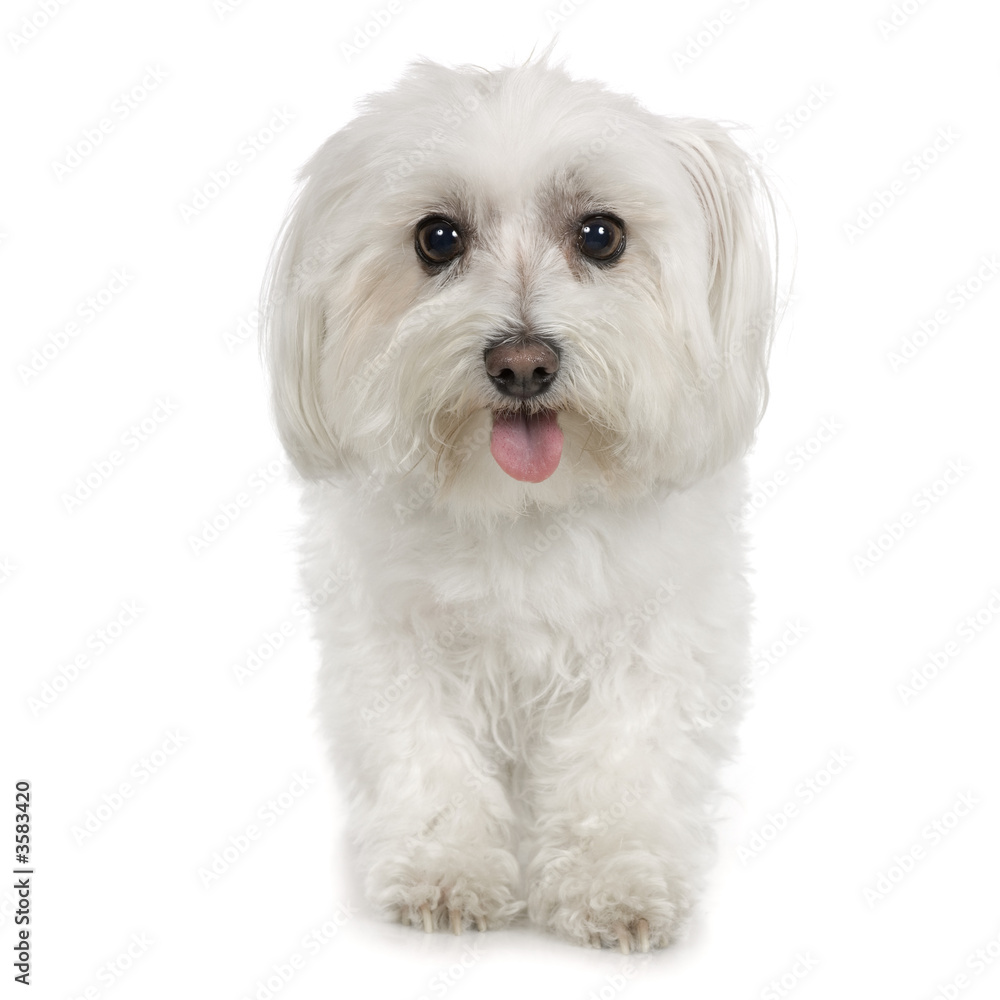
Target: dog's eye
[601, 238]
[438, 240]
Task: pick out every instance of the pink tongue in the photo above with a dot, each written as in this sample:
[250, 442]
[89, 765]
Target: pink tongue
[527, 448]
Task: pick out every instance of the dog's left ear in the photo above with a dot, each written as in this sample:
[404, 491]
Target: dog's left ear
[740, 217]
[294, 330]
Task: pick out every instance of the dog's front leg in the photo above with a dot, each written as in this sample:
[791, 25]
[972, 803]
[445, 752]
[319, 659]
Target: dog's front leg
[429, 808]
[618, 785]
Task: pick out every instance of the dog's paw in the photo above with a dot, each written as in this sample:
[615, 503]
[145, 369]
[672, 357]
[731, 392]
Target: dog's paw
[452, 892]
[627, 900]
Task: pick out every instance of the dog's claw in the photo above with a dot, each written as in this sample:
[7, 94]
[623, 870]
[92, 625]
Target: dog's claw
[643, 928]
[623, 938]
[480, 924]
[404, 918]
[425, 912]
[455, 919]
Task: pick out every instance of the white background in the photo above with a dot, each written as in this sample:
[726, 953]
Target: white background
[201, 752]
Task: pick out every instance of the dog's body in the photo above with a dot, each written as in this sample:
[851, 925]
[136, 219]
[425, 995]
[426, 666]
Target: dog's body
[518, 330]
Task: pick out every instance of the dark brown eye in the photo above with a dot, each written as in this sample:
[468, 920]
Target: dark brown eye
[601, 238]
[438, 240]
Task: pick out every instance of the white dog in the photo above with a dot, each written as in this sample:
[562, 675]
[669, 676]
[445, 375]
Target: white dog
[517, 329]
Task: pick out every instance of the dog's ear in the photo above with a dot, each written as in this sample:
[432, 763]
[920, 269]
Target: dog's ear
[742, 240]
[293, 331]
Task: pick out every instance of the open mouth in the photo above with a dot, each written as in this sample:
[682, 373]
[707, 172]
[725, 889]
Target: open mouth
[527, 447]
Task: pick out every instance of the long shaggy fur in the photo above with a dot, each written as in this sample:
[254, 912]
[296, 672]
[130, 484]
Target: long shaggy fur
[524, 682]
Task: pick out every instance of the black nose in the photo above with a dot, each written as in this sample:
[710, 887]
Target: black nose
[522, 368]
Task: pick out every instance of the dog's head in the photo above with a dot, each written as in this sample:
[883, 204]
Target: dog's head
[519, 286]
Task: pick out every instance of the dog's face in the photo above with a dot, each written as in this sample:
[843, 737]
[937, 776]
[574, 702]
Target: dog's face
[522, 286]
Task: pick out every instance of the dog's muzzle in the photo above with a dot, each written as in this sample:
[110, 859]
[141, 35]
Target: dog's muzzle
[526, 443]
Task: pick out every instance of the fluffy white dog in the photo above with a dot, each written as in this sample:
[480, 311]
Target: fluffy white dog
[517, 329]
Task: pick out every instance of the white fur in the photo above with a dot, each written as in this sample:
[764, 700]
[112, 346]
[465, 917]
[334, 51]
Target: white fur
[526, 685]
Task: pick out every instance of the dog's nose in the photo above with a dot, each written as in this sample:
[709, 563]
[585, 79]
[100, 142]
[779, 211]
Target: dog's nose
[522, 368]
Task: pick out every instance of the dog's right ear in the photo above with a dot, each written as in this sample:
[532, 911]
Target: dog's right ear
[293, 329]
[740, 217]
